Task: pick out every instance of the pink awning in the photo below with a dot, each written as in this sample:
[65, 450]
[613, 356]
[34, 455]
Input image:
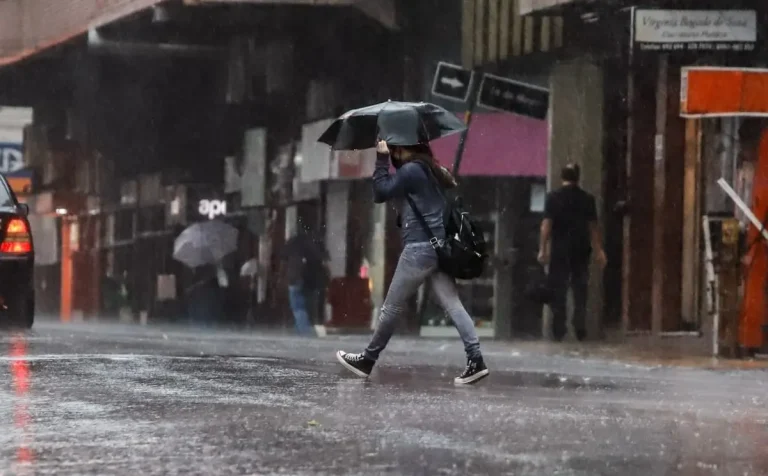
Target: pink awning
[499, 144]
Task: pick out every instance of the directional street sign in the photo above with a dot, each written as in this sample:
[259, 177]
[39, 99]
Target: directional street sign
[452, 82]
[503, 94]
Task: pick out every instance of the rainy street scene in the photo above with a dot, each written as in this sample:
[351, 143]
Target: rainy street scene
[383, 237]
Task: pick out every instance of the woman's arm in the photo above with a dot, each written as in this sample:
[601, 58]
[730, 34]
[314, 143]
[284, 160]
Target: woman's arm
[387, 186]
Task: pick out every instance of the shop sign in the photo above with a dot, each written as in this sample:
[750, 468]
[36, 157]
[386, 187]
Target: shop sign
[212, 208]
[671, 31]
[11, 158]
[502, 94]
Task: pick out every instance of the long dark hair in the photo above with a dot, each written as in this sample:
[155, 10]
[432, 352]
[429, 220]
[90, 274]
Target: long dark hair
[423, 152]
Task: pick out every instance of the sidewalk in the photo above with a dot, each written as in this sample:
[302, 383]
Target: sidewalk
[689, 352]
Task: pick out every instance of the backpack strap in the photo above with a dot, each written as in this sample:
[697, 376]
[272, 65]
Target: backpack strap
[432, 238]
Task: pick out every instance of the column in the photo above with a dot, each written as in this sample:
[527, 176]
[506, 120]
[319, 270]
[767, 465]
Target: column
[576, 135]
[336, 215]
[510, 202]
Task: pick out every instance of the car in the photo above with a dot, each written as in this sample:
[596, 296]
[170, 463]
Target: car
[17, 261]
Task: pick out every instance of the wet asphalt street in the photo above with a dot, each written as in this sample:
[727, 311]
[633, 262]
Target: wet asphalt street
[141, 401]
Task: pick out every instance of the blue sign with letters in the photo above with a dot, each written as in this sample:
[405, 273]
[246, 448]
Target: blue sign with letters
[11, 158]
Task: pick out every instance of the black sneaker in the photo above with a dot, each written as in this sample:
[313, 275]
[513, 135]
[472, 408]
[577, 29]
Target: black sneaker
[475, 371]
[358, 364]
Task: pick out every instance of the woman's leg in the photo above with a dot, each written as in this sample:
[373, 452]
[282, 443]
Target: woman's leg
[415, 265]
[446, 295]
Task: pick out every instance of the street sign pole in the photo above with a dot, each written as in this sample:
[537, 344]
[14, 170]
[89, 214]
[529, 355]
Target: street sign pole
[473, 93]
[454, 83]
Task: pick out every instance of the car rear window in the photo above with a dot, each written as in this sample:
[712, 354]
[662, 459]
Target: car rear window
[6, 200]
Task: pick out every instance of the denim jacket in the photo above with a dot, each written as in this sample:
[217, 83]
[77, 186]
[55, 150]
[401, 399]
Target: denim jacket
[410, 179]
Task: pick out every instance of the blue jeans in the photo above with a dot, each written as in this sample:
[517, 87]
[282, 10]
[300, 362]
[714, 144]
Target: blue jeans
[298, 303]
[418, 264]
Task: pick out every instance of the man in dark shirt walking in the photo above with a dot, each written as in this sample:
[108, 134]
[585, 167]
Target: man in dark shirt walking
[569, 236]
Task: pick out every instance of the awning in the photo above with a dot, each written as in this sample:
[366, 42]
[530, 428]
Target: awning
[526, 7]
[30, 26]
[499, 144]
[718, 92]
[383, 11]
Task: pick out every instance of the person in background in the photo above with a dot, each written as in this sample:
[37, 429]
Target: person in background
[569, 236]
[301, 261]
[111, 299]
[251, 272]
[316, 277]
[204, 303]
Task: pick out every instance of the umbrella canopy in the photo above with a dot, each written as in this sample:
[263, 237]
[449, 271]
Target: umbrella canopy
[397, 123]
[205, 243]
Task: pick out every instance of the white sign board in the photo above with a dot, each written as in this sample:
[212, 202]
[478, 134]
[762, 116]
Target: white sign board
[694, 30]
[212, 208]
[253, 178]
[315, 157]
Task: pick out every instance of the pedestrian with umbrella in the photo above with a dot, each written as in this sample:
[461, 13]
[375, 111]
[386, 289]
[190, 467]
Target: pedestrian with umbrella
[205, 243]
[202, 245]
[401, 133]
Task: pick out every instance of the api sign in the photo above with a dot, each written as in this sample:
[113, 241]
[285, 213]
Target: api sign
[212, 208]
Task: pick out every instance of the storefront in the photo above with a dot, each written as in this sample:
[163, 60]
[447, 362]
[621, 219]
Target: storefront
[674, 161]
[727, 106]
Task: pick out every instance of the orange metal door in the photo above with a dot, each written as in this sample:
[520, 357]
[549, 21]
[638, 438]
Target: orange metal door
[755, 307]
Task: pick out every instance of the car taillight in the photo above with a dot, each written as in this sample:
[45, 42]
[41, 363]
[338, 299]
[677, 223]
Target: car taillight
[17, 239]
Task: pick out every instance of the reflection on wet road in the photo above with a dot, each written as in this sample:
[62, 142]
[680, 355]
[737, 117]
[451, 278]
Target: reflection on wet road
[116, 400]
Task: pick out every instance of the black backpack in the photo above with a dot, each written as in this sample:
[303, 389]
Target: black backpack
[462, 254]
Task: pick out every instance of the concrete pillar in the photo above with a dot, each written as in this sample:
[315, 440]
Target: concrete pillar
[377, 257]
[503, 299]
[576, 135]
[511, 201]
[336, 215]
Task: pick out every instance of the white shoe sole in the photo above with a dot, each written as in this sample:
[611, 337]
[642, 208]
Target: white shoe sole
[340, 357]
[473, 379]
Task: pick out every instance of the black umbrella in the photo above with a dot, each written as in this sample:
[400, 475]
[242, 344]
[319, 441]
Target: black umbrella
[397, 123]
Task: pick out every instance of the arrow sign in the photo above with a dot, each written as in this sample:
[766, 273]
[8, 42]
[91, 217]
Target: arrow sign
[502, 94]
[452, 82]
